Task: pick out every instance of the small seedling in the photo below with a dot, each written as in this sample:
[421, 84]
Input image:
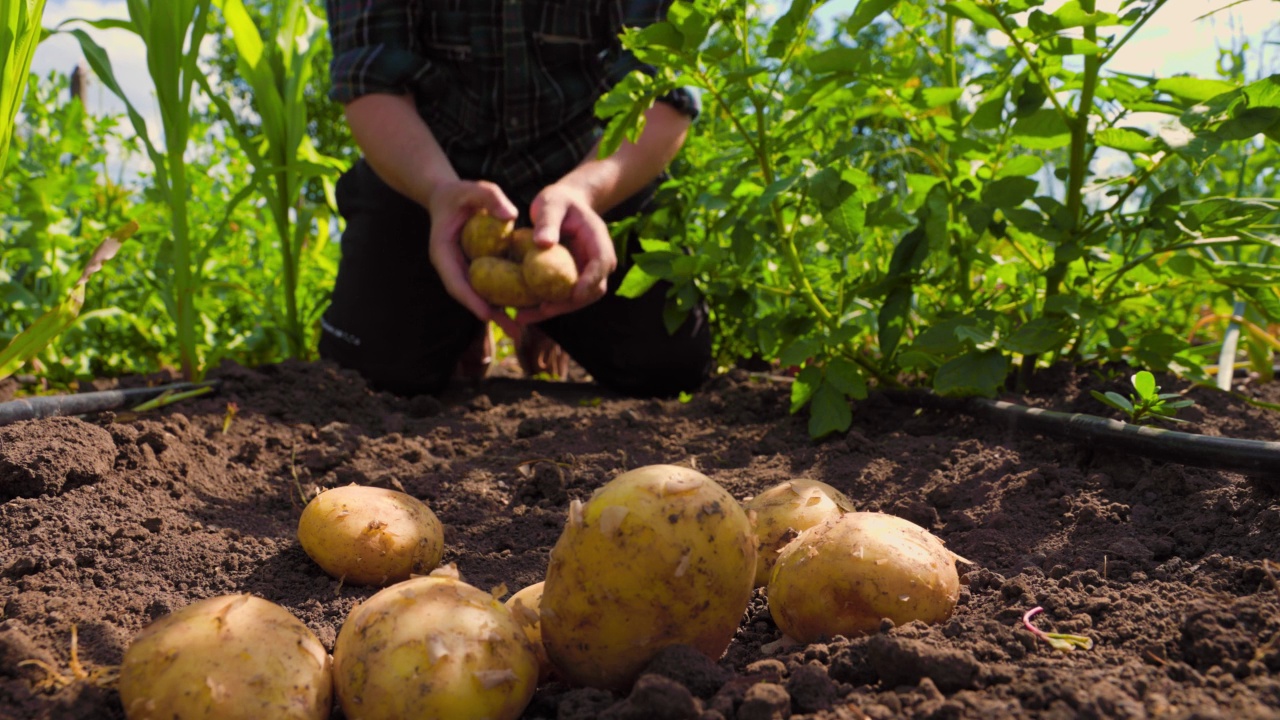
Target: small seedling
[1058, 641]
[1147, 403]
[232, 410]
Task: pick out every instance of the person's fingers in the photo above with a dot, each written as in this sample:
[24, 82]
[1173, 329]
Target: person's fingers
[548, 214]
[489, 196]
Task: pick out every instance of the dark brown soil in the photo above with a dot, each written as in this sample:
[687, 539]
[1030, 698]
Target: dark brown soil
[107, 523]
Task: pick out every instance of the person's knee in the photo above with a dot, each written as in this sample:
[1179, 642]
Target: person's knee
[399, 378]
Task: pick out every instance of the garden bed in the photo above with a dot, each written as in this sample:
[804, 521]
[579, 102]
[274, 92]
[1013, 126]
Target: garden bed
[109, 522]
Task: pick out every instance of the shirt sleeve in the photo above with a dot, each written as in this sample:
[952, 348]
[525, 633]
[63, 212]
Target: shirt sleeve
[638, 14]
[373, 48]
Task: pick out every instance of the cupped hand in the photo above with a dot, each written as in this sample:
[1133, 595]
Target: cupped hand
[563, 214]
[451, 205]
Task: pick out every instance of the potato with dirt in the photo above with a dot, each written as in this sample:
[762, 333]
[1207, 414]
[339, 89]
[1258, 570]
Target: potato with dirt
[433, 647]
[660, 555]
[232, 657]
[501, 282]
[786, 509]
[370, 536]
[843, 575]
[526, 606]
[484, 235]
[550, 273]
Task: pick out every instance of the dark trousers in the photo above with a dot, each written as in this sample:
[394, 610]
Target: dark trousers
[392, 320]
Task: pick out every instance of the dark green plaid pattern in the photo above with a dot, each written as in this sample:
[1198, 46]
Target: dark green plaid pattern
[508, 87]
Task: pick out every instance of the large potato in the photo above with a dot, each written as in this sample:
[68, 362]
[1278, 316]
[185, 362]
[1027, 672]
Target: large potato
[433, 647]
[521, 242]
[485, 235]
[526, 606]
[842, 576]
[550, 273]
[501, 282]
[784, 510]
[370, 536]
[234, 657]
[660, 555]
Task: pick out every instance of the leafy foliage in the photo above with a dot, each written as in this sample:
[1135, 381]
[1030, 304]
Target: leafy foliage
[1146, 403]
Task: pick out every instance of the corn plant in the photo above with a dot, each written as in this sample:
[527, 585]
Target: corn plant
[19, 34]
[172, 31]
[283, 157]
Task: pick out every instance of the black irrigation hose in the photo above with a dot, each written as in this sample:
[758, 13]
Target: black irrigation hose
[1206, 451]
[90, 402]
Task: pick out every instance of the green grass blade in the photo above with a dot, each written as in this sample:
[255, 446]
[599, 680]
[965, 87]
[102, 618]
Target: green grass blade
[19, 35]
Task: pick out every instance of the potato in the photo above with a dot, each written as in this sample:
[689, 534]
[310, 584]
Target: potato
[658, 556]
[500, 282]
[433, 647]
[782, 511]
[370, 536]
[521, 242]
[842, 576]
[485, 235]
[526, 605]
[231, 657]
[550, 273]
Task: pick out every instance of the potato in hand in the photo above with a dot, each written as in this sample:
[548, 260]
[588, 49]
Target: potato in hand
[508, 270]
[500, 282]
[485, 235]
[550, 273]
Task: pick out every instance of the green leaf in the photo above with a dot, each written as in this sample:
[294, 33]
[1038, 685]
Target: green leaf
[799, 352]
[975, 373]
[893, 318]
[1020, 166]
[845, 376]
[1193, 89]
[1039, 336]
[1069, 46]
[1042, 130]
[789, 28]
[806, 382]
[692, 22]
[970, 10]
[837, 60]
[939, 96]
[1145, 383]
[865, 13]
[636, 282]
[1009, 192]
[1125, 139]
[829, 411]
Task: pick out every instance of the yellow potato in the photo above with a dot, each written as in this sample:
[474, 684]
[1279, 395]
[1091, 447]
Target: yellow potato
[521, 243]
[843, 575]
[234, 657]
[526, 605]
[370, 536]
[485, 235]
[660, 555]
[784, 510]
[550, 273]
[433, 647]
[500, 282]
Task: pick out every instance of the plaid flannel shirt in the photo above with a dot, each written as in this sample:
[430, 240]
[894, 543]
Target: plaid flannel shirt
[508, 87]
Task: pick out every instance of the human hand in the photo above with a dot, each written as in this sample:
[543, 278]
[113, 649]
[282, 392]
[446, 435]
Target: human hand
[451, 204]
[563, 214]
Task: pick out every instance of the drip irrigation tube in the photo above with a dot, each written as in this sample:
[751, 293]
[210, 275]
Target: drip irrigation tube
[90, 402]
[1207, 451]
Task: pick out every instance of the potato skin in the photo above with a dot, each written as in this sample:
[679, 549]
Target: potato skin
[433, 647]
[786, 509]
[233, 657]
[550, 273]
[658, 556]
[370, 536]
[521, 242]
[842, 576]
[526, 606]
[501, 282]
[485, 235]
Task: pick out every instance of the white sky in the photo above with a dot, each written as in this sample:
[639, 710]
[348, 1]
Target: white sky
[1173, 42]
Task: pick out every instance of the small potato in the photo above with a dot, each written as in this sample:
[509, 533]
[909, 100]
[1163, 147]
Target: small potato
[784, 510]
[433, 647]
[526, 606]
[550, 273]
[370, 536]
[660, 555]
[521, 243]
[843, 575]
[501, 282]
[485, 235]
[234, 657]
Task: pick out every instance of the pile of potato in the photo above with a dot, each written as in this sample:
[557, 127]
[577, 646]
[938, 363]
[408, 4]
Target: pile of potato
[508, 270]
[660, 555]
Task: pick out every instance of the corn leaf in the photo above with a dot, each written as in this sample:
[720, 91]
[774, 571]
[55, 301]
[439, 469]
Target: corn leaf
[19, 35]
